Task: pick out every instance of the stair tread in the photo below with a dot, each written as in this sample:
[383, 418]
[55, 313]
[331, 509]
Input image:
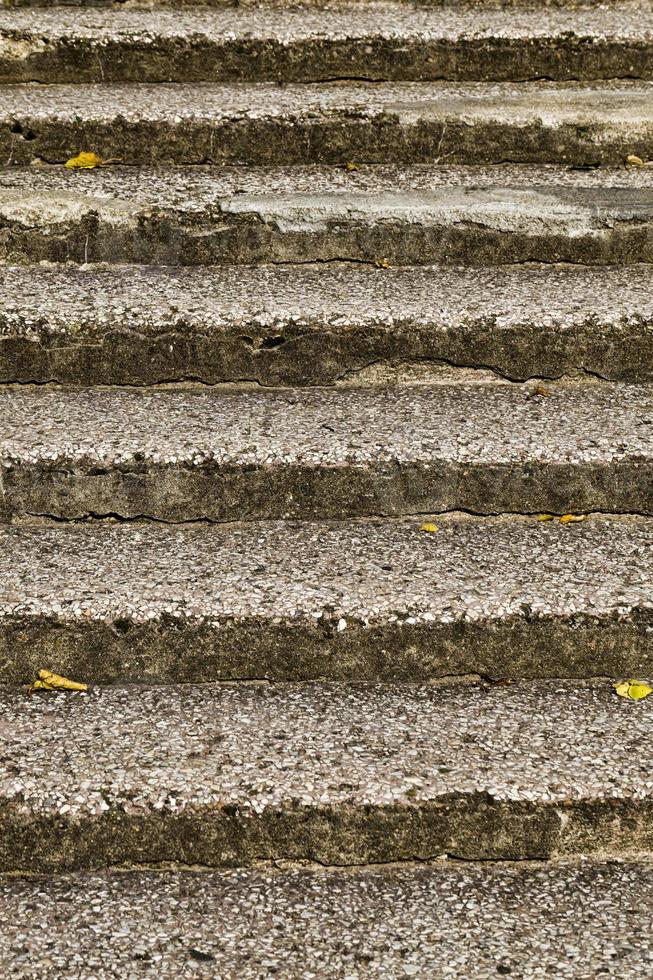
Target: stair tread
[446, 921]
[466, 422]
[357, 19]
[410, 215]
[600, 103]
[371, 600]
[314, 325]
[414, 770]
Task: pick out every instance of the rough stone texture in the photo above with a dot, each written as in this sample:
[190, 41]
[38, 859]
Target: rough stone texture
[316, 325]
[228, 776]
[486, 447]
[363, 601]
[576, 921]
[262, 124]
[414, 215]
[373, 40]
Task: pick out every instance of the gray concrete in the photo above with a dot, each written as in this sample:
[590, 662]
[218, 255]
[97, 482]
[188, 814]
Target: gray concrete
[228, 776]
[359, 39]
[320, 325]
[362, 601]
[261, 124]
[482, 446]
[414, 215]
[576, 921]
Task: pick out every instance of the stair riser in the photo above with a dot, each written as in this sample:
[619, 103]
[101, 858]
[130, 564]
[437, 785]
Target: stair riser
[168, 650]
[247, 240]
[469, 827]
[320, 355]
[333, 139]
[464, 59]
[187, 492]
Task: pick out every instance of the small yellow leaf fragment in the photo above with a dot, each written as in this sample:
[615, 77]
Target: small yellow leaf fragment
[633, 689]
[540, 391]
[546, 517]
[49, 681]
[431, 528]
[88, 161]
[573, 518]
[633, 161]
[382, 264]
[351, 166]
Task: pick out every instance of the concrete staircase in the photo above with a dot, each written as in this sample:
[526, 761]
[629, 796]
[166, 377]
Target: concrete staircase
[358, 267]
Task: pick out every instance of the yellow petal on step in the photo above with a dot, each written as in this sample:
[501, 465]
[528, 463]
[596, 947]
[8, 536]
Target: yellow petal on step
[429, 527]
[633, 161]
[84, 161]
[351, 166]
[59, 683]
[382, 264]
[573, 518]
[546, 517]
[633, 689]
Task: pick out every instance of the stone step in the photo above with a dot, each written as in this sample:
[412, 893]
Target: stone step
[359, 39]
[224, 776]
[406, 216]
[582, 124]
[320, 324]
[482, 446]
[367, 601]
[592, 919]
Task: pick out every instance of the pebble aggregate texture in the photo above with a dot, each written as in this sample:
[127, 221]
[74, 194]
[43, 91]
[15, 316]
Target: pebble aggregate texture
[177, 455]
[376, 41]
[232, 775]
[568, 921]
[263, 124]
[503, 597]
[417, 215]
[318, 325]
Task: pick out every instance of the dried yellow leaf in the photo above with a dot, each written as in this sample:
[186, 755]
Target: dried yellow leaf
[382, 264]
[633, 689]
[633, 161]
[546, 517]
[56, 682]
[351, 166]
[429, 527]
[573, 518]
[87, 161]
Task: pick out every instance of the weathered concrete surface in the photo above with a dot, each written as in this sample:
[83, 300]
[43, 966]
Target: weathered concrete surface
[373, 40]
[568, 920]
[486, 447]
[363, 601]
[414, 215]
[317, 325]
[263, 125]
[228, 776]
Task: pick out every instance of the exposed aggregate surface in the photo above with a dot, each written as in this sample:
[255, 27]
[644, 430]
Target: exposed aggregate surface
[626, 106]
[477, 422]
[67, 301]
[575, 921]
[332, 20]
[357, 573]
[259, 747]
